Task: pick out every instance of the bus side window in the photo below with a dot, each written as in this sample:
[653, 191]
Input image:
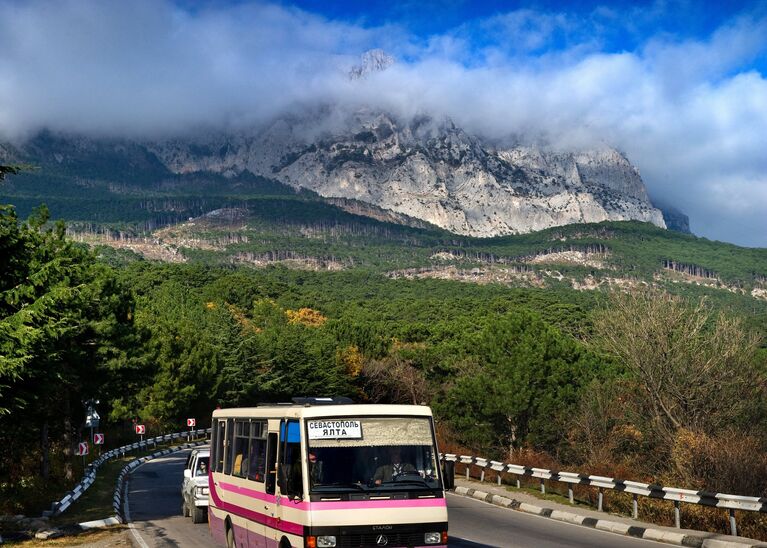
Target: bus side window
[257, 456]
[271, 460]
[229, 446]
[241, 448]
[218, 446]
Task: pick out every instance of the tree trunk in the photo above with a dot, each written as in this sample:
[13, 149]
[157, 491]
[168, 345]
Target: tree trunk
[69, 474]
[512, 437]
[45, 463]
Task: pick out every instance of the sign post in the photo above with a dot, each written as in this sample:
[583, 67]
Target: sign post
[141, 430]
[92, 418]
[191, 424]
[82, 450]
[98, 439]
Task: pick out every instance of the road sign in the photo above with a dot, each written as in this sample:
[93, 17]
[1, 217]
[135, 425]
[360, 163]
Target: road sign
[191, 422]
[140, 429]
[98, 439]
[92, 418]
[82, 448]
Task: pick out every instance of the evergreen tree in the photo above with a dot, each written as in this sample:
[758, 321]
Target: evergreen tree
[519, 388]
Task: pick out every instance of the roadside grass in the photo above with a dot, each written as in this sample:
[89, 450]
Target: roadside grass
[96, 502]
[549, 495]
[113, 536]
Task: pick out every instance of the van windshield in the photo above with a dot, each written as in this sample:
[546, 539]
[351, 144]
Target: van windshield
[202, 466]
[373, 453]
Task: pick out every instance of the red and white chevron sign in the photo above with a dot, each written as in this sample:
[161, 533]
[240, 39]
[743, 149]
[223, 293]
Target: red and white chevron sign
[140, 429]
[82, 448]
[98, 439]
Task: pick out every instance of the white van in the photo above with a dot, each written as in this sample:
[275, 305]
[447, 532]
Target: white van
[194, 489]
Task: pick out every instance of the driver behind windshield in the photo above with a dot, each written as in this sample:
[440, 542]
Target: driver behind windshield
[395, 467]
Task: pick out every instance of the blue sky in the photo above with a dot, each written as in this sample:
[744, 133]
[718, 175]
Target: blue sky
[683, 19]
[679, 86]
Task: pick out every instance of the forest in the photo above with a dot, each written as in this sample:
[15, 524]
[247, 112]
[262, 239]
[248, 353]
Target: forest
[641, 384]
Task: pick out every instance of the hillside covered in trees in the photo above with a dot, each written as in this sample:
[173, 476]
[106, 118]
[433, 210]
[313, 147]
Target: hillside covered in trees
[536, 370]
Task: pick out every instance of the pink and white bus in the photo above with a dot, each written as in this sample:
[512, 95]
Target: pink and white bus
[321, 473]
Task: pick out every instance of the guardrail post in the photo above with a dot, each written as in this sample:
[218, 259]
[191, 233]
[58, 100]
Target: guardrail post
[498, 478]
[733, 525]
[543, 486]
[600, 497]
[570, 494]
[519, 484]
[677, 517]
[467, 470]
[449, 474]
[482, 475]
[635, 507]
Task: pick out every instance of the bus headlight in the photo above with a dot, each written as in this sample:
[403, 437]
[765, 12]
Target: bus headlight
[432, 538]
[326, 541]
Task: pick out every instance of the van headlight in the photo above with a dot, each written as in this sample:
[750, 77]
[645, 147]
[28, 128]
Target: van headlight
[326, 541]
[432, 538]
[201, 491]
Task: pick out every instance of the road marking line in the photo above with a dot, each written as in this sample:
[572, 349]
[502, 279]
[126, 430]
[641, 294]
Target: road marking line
[126, 507]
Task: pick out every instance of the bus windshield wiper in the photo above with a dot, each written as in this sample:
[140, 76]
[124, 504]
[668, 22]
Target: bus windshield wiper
[339, 485]
[414, 481]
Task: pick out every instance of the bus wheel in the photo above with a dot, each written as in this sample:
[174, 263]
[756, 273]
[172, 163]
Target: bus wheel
[230, 537]
[285, 543]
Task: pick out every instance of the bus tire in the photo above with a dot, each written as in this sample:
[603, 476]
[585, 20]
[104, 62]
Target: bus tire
[285, 543]
[230, 536]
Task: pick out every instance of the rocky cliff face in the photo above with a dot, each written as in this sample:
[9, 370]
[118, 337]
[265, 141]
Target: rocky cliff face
[429, 169]
[422, 167]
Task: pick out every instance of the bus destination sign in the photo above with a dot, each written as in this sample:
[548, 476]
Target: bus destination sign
[334, 429]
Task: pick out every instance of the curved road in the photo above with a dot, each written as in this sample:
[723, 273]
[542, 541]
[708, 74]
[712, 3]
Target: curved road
[154, 505]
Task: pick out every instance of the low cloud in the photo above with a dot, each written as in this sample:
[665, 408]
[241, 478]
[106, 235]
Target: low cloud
[691, 114]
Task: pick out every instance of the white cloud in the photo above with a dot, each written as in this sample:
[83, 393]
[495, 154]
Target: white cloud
[691, 114]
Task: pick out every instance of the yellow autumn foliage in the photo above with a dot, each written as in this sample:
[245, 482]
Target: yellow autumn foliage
[351, 359]
[305, 316]
[242, 319]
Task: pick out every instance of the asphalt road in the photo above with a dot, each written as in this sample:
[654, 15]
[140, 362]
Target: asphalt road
[154, 505]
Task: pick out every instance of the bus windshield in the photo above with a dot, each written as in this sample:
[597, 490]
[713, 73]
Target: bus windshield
[371, 453]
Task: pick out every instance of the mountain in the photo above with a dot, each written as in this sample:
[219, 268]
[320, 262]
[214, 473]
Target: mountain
[428, 169]
[198, 201]
[420, 167]
[674, 219]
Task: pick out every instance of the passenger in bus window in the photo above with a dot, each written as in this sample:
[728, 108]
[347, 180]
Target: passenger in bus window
[315, 469]
[394, 468]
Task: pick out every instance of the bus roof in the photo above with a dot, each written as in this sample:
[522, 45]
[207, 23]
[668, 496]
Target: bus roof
[313, 411]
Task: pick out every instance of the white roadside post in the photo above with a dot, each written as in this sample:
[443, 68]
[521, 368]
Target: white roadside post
[190, 423]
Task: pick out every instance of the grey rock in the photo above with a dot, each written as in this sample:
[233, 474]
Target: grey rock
[428, 169]
[49, 534]
[34, 524]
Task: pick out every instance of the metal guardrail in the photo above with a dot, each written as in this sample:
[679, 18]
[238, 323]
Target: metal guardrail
[90, 471]
[637, 489]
